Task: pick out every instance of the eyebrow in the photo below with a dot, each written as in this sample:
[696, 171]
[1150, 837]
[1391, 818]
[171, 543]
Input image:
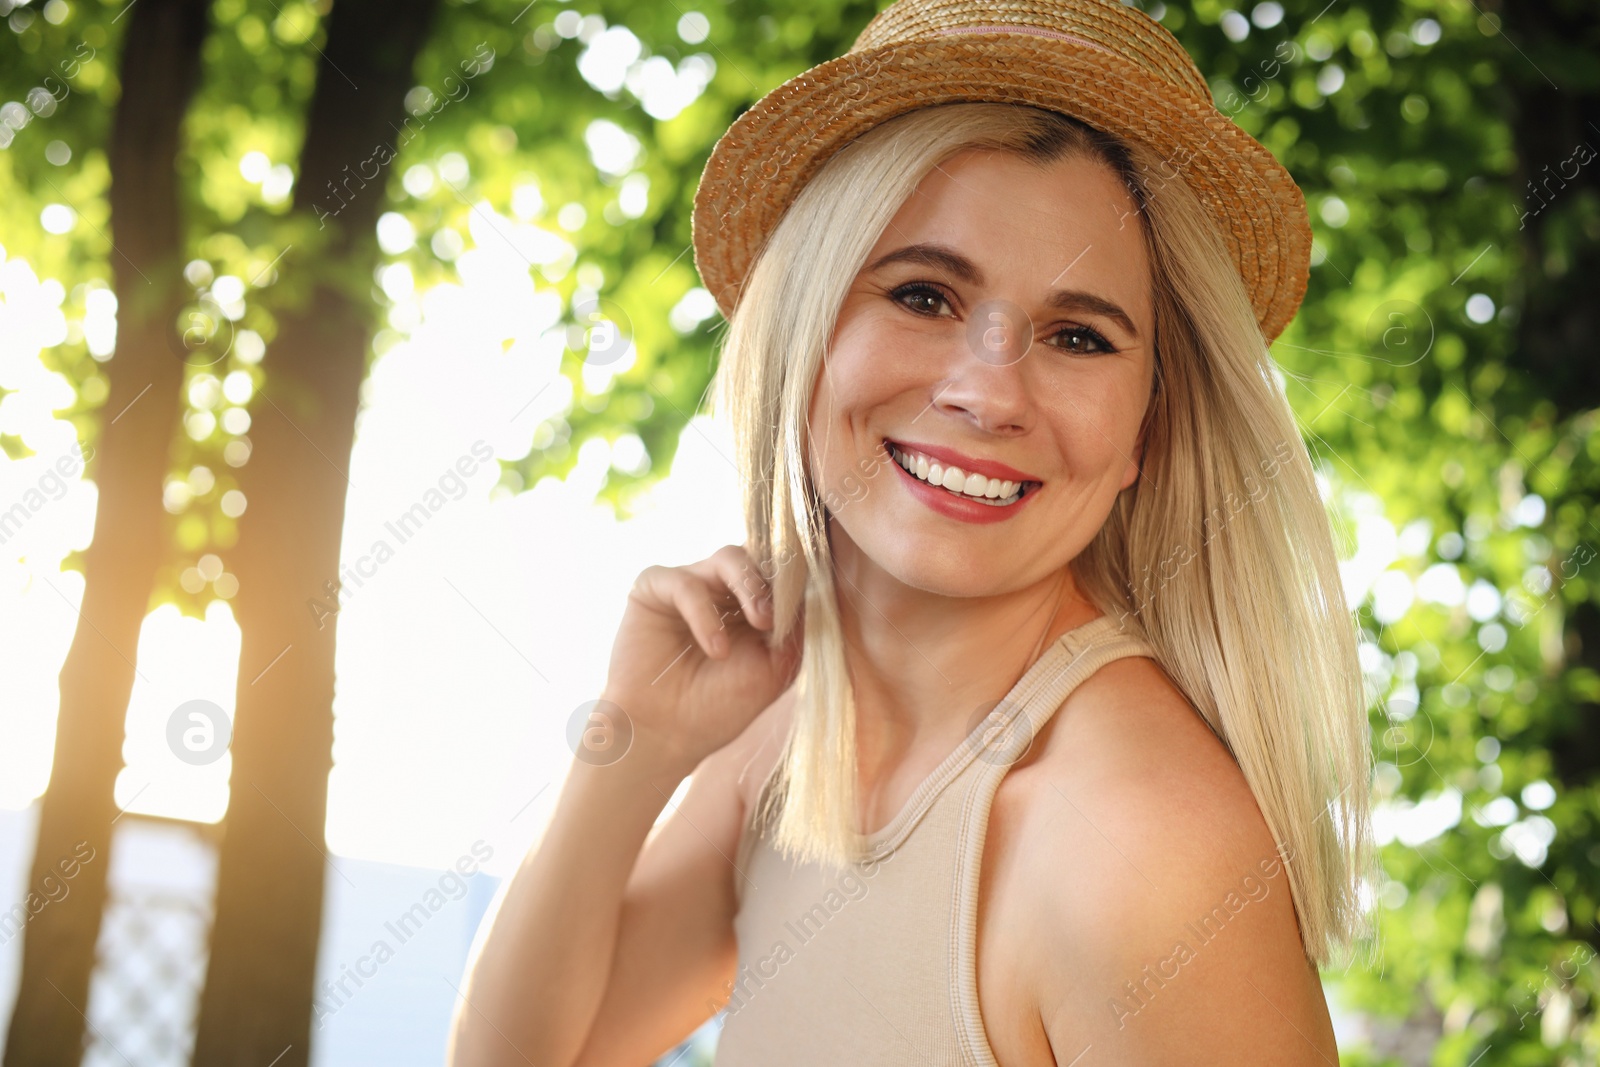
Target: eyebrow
[948, 259]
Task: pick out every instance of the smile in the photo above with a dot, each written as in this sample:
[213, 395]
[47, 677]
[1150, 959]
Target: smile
[959, 483]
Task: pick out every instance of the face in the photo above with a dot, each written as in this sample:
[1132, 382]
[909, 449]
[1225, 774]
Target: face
[1003, 327]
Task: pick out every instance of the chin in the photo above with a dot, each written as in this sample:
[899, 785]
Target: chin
[950, 573]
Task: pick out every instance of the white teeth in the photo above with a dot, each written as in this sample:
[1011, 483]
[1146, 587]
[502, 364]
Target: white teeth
[956, 480]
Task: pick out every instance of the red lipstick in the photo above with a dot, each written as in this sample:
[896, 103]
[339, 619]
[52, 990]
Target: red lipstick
[949, 457]
[964, 508]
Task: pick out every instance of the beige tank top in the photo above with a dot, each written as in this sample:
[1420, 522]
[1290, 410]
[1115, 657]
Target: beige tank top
[875, 964]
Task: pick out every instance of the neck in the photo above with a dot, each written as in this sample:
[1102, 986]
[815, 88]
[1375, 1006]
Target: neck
[926, 666]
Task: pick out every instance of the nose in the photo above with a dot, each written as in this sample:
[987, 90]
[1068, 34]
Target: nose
[986, 383]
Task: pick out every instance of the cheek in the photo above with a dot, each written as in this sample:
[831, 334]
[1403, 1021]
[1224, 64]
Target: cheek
[862, 370]
[1097, 427]
[830, 420]
[856, 385]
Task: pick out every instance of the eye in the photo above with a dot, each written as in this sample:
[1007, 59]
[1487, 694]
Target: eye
[1081, 339]
[919, 297]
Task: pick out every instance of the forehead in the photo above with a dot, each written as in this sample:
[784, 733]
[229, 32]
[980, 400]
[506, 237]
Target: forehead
[1017, 218]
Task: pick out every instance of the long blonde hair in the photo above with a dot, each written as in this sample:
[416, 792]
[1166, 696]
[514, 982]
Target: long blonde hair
[1250, 623]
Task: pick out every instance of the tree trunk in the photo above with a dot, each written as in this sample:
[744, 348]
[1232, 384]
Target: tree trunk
[159, 69]
[1556, 133]
[257, 1004]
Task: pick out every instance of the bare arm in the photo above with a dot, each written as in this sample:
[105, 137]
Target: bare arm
[1169, 930]
[676, 949]
[533, 990]
[590, 929]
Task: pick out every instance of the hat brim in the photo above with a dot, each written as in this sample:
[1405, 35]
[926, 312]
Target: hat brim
[772, 150]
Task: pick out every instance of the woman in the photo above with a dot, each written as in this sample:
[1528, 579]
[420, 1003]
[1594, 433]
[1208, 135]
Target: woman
[1027, 727]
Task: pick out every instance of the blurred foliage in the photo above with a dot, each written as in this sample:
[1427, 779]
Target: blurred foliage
[1460, 462]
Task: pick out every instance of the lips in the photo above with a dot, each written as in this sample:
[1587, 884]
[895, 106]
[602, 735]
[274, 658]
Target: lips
[927, 475]
[970, 464]
[976, 499]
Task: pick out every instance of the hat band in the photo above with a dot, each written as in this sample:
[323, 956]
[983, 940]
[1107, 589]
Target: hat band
[1012, 27]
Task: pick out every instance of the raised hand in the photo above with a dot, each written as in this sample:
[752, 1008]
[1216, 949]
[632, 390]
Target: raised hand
[692, 664]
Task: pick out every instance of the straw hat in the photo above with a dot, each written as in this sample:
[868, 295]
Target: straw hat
[1101, 62]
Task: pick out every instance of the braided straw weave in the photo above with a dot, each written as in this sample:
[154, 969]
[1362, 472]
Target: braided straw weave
[1096, 60]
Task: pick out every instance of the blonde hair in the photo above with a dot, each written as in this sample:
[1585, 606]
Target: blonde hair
[1252, 626]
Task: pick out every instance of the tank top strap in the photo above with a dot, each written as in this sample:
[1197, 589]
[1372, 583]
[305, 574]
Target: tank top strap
[876, 965]
[1074, 656]
[1007, 730]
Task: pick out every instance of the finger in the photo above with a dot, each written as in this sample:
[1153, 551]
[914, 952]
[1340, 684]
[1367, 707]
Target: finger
[738, 570]
[732, 569]
[696, 601]
[693, 598]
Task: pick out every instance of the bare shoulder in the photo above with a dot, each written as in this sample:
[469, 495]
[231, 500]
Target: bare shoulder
[1128, 751]
[1167, 933]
